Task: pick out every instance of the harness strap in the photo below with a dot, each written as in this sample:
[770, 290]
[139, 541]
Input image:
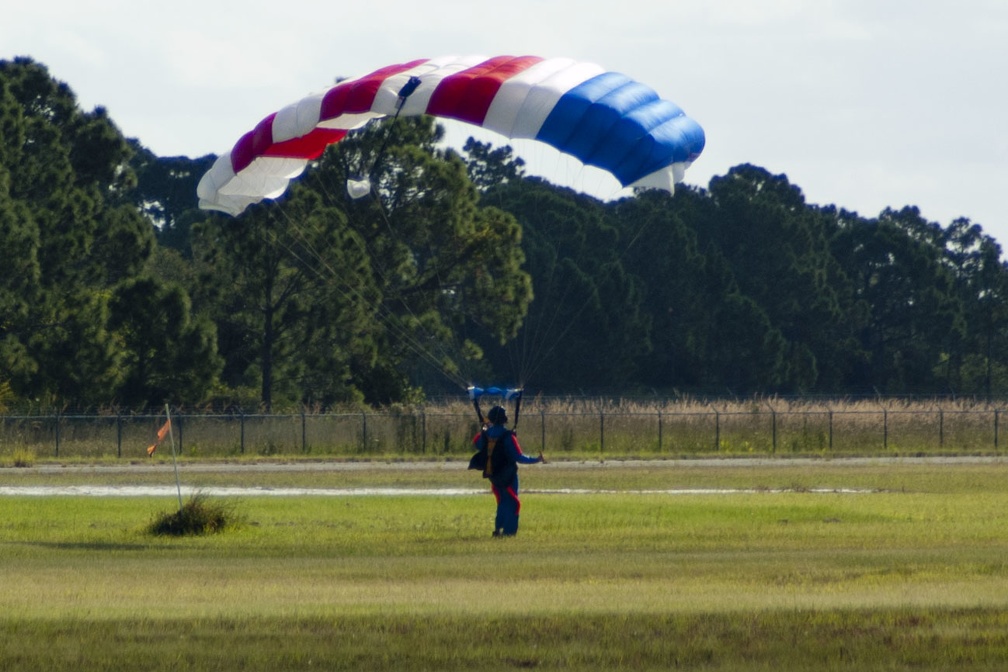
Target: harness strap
[488, 469]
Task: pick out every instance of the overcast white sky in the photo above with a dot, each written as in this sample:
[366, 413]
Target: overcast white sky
[865, 104]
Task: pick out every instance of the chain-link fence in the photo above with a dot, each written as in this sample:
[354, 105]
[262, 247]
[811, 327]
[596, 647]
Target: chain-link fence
[577, 434]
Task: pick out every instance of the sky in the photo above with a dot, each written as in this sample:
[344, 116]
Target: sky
[862, 104]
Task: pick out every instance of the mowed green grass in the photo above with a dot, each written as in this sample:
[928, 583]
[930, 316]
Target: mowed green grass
[911, 572]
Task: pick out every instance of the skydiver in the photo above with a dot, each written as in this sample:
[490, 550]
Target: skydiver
[503, 455]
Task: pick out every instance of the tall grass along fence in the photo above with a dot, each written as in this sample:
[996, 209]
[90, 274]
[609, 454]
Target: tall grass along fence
[580, 429]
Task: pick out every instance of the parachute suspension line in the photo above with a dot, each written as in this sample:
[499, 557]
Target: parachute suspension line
[352, 294]
[540, 329]
[534, 349]
[534, 340]
[633, 241]
[531, 363]
[506, 394]
[386, 315]
[444, 352]
[360, 188]
[447, 354]
[518, 399]
[545, 339]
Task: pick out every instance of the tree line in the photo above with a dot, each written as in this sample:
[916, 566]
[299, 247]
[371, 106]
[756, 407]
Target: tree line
[117, 291]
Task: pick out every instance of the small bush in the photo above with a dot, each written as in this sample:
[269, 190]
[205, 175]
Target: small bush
[22, 457]
[199, 515]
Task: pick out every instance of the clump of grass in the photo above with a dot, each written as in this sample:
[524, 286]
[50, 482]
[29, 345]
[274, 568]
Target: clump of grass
[199, 515]
[23, 458]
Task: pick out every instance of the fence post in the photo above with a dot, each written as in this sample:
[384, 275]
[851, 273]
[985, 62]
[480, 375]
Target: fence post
[542, 438]
[118, 435]
[241, 444]
[363, 431]
[601, 418]
[423, 431]
[997, 413]
[831, 430]
[304, 433]
[885, 429]
[57, 432]
[717, 429]
[773, 429]
[659, 431]
[773, 420]
[941, 427]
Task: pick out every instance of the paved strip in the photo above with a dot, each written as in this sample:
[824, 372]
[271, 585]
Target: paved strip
[460, 465]
[215, 491]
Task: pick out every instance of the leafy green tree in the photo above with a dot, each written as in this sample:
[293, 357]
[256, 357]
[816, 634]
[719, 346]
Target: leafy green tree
[780, 257]
[681, 285]
[745, 352]
[167, 356]
[915, 318]
[489, 167]
[65, 202]
[259, 286]
[70, 180]
[980, 364]
[166, 194]
[20, 274]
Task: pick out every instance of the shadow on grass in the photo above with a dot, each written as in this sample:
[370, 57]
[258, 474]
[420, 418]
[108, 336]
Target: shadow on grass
[100, 546]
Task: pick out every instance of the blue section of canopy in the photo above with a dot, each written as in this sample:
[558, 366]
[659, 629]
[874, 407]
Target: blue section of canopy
[622, 126]
[506, 393]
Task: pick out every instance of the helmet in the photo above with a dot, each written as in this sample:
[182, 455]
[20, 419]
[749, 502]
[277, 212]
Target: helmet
[497, 415]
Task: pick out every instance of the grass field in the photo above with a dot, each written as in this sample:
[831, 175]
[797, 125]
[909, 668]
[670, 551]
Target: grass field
[783, 570]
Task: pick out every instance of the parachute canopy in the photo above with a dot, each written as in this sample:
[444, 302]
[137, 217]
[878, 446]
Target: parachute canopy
[603, 119]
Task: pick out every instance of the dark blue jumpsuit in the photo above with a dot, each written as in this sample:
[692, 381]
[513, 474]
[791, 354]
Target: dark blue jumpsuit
[505, 484]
